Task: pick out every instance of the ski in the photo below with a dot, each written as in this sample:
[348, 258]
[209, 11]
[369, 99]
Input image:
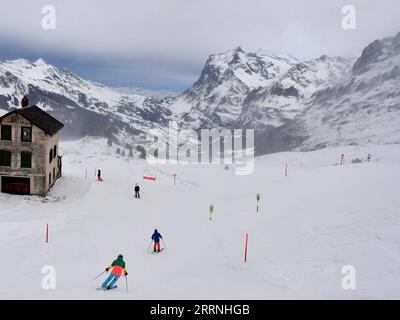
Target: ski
[105, 289]
[115, 287]
[158, 251]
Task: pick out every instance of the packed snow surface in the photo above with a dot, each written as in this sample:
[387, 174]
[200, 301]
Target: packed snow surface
[311, 223]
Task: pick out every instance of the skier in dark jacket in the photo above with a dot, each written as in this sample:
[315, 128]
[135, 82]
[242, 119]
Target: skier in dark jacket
[99, 175]
[156, 238]
[117, 268]
[137, 189]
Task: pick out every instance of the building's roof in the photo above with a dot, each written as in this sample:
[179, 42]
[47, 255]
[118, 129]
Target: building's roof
[40, 118]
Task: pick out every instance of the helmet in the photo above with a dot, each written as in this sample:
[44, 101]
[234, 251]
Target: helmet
[120, 256]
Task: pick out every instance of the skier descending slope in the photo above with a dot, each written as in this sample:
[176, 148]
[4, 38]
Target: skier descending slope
[156, 238]
[99, 178]
[137, 190]
[117, 268]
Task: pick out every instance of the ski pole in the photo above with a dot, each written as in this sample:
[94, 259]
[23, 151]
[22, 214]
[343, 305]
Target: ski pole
[99, 275]
[164, 243]
[126, 283]
[151, 241]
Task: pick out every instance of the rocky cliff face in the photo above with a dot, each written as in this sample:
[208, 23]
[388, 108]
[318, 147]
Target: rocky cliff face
[217, 97]
[365, 108]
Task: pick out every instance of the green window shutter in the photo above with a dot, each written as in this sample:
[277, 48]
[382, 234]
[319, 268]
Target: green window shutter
[26, 159]
[5, 158]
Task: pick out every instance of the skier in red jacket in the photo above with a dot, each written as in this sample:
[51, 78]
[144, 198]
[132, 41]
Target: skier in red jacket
[117, 269]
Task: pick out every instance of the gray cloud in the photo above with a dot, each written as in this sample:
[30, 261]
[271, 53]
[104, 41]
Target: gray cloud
[168, 41]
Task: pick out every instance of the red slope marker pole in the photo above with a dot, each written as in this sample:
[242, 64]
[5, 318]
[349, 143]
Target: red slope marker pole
[47, 233]
[245, 247]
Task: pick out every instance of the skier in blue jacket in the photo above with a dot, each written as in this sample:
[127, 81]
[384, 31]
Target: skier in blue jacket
[156, 238]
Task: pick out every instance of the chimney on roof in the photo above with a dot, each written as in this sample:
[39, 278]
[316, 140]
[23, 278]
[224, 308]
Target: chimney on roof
[24, 102]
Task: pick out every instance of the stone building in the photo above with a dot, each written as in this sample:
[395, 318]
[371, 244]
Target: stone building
[29, 160]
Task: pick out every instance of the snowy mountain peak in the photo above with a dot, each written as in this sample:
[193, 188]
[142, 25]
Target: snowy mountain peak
[226, 79]
[287, 97]
[84, 106]
[226, 57]
[40, 62]
[256, 89]
[378, 50]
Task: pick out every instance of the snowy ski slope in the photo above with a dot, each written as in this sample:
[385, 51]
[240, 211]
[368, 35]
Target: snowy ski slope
[310, 224]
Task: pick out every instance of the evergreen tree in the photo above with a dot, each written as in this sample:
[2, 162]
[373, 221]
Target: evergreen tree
[142, 151]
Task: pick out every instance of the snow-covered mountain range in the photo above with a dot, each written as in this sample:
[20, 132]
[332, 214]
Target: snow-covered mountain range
[85, 107]
[292, 104]
[365, 108]
[255, 90]
[362, 108]
[217, 97]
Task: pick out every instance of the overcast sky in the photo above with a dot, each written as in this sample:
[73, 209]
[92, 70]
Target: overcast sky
[163, 44]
